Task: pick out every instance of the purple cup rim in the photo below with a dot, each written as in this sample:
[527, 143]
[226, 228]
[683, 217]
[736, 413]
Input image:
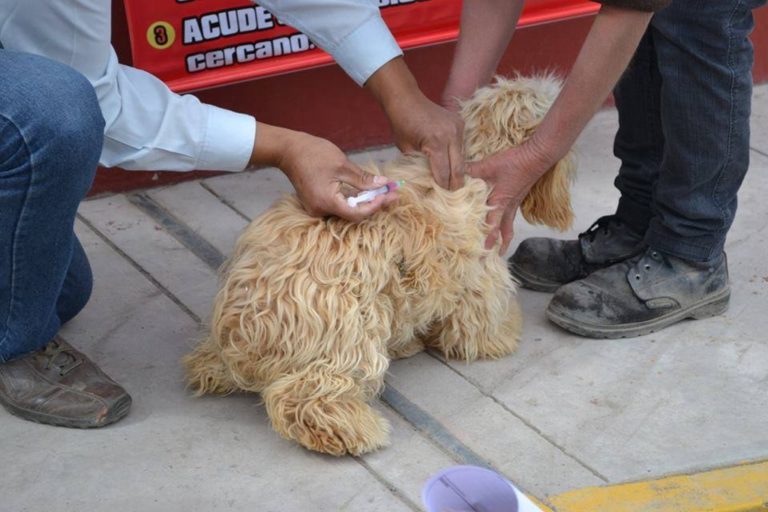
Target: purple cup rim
[475, 474]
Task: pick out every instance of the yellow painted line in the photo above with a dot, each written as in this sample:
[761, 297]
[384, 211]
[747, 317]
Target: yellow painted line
[742, 488]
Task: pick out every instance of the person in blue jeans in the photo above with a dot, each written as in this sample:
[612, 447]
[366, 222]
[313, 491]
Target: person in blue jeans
[683, 141]
[51, 133]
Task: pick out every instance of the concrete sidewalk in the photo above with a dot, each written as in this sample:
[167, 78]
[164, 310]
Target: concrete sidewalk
[562, 414]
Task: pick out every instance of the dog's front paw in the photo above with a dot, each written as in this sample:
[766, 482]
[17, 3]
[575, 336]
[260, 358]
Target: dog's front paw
[340, 428]
[330, 419]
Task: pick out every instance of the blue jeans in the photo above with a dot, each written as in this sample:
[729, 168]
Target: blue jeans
[683, 139]
[51, 132]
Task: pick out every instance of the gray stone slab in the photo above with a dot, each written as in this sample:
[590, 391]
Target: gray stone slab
[759, 121]
[688, 398]
[250, 192]
[202, 212]
[151, 247]
[173, 452]
[409, 461]
[489, 429]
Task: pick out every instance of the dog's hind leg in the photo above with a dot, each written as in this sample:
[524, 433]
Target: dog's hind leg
[326, 410]
[486, 322]
[206, 371]
[549, 200]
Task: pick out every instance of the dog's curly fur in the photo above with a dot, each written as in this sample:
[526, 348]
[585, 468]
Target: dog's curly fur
[311, 310]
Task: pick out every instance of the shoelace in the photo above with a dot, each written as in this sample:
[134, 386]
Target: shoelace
[600, 224]
[61, 356]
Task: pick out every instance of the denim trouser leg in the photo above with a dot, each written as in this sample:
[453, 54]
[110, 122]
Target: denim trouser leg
[51, 132]
[639, 142]
[698, 97]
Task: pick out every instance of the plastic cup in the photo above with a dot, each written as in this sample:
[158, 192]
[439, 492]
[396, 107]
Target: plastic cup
[469, 489]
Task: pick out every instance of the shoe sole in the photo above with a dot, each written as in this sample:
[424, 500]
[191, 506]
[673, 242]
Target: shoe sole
[714, 305]
[118, 412]
[532, 282]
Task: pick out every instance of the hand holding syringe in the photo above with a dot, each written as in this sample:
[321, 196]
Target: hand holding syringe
[368, 195]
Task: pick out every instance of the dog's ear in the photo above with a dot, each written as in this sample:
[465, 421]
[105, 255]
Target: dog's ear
[549, 200]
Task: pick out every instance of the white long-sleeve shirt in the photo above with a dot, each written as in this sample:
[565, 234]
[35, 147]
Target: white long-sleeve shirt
[148, 127]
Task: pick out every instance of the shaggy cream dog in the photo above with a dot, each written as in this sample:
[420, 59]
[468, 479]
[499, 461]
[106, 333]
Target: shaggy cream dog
[311, 311]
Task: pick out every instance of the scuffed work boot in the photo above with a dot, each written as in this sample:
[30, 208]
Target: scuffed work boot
[59, 386]
[641, 295]
[545, 264]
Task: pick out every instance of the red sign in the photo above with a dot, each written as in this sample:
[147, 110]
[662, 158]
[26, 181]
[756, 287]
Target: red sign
[194, 44]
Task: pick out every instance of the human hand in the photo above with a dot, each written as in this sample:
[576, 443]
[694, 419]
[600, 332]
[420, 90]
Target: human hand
[320, 171]
[510, 174]
[418, 124]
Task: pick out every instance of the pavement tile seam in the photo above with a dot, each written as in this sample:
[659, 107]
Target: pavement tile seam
[524, 420]
[223, 200]
[197, 245]
[165, 291]
[432, 429]
[393, 489]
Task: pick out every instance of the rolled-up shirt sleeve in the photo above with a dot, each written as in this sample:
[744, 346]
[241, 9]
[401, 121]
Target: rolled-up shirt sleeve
[352, 31]
[148, 127]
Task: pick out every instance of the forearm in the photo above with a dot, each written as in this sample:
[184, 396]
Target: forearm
[485, 31]
[393, 84]
[268, 145]
[604, 56]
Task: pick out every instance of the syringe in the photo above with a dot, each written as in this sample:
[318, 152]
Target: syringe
[368, 195]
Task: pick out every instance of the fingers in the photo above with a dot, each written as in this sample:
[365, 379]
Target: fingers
[445, 153]
[440, 165]
[506, 229]
[447, 165]
[419, 124]
[480, 170]
[493, 219]
[456, 155]
[352, 175]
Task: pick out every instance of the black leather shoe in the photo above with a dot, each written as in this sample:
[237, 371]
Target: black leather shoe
[641, 295]
[59, 386]
[545, 264]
